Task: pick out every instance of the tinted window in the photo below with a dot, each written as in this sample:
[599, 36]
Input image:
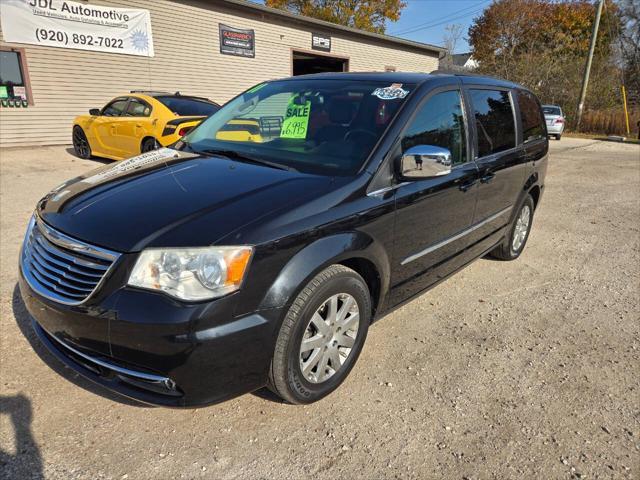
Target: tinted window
[439, 122]
[137, 108]
[547, 110]
[532, 120]
[185, 106]
[495, 126]
[115, 108]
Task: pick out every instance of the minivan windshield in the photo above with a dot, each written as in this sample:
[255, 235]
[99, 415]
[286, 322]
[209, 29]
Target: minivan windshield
[320, 126]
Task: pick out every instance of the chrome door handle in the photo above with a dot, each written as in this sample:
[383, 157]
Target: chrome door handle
[487, 177]
[467, 185]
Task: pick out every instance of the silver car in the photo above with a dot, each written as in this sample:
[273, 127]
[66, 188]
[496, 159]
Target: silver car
[555, 120]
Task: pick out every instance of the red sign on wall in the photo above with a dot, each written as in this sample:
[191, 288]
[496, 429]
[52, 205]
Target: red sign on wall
[236, 41]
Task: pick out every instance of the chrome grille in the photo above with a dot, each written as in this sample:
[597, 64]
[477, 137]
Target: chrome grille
[62, 268]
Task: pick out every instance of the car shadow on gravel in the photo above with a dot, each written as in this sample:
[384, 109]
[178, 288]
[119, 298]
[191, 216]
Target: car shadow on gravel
[266, 394]
[23, 319]
[26, 462]
[104, 161]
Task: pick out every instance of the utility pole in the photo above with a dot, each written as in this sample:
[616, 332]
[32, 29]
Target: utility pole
[587, 70]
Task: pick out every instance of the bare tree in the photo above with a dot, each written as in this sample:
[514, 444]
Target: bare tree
[630, 48]
[452, 35]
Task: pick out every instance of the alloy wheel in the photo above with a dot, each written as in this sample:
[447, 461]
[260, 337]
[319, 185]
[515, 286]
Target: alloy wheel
[521, 228]
[329, 338]
[80, 143]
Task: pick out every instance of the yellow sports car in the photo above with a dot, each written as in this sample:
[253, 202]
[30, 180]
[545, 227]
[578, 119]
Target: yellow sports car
[138, 122]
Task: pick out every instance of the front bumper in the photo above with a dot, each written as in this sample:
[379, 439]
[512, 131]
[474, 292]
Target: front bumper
[156, 350]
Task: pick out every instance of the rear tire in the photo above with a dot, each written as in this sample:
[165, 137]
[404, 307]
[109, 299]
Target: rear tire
[518, 233]
[321, 336]
[559, 136]
[81, 145]
[148, 145]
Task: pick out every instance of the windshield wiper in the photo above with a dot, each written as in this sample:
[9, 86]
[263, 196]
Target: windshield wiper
[232, 154]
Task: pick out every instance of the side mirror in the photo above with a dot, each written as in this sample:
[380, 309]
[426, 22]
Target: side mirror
[95, 112]
[425, 161]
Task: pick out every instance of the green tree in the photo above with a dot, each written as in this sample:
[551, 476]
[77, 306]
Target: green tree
[543, 45]
[370, 15]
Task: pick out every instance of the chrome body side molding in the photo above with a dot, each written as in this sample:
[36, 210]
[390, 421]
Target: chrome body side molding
[457, 236]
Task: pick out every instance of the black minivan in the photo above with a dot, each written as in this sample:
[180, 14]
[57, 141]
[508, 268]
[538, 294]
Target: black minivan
[259, 248]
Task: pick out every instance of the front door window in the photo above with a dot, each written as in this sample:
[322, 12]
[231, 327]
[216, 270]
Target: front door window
[439, 122]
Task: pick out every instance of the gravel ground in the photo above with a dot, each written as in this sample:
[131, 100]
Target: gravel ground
[526, 369]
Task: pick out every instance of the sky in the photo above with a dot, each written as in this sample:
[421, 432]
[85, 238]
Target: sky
[425, 20]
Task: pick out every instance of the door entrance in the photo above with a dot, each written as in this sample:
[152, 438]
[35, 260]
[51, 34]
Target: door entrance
[305, 63]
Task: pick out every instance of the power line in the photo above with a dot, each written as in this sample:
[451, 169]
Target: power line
[445, 19]
[435, 20]
[449, 20]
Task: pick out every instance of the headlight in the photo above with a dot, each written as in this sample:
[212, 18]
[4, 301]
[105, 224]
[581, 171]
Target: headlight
[191, 273]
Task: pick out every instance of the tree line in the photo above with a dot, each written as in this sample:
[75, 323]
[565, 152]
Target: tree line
[542, 44]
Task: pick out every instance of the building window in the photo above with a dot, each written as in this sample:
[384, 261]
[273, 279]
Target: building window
[14, 77]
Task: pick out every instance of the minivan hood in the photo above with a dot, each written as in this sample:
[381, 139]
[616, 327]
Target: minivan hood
[142, 202]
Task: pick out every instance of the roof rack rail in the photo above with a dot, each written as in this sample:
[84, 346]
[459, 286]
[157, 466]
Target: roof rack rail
[457, 73]
[149, 92]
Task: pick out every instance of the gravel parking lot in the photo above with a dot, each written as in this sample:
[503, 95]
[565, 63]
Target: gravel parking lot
[526, 369]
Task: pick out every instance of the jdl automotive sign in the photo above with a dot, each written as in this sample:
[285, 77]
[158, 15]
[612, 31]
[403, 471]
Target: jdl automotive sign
[84, 26]
[236, 41]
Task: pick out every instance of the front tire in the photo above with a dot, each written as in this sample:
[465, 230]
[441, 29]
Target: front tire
[321, 337]
[518, 232]
[81, 145]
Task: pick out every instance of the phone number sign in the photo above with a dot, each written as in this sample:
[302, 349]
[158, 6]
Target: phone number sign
[57, 23]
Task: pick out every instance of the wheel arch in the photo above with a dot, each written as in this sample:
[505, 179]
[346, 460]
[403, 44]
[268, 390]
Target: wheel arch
[80, 126]
[534, 191]
[355, 250]
[531, 185]
[86, 130]
[148, 137]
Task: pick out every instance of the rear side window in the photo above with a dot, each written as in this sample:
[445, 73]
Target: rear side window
[137, 108]
[495, 126]
[440, 123]
[532, 118]
[186, 107]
